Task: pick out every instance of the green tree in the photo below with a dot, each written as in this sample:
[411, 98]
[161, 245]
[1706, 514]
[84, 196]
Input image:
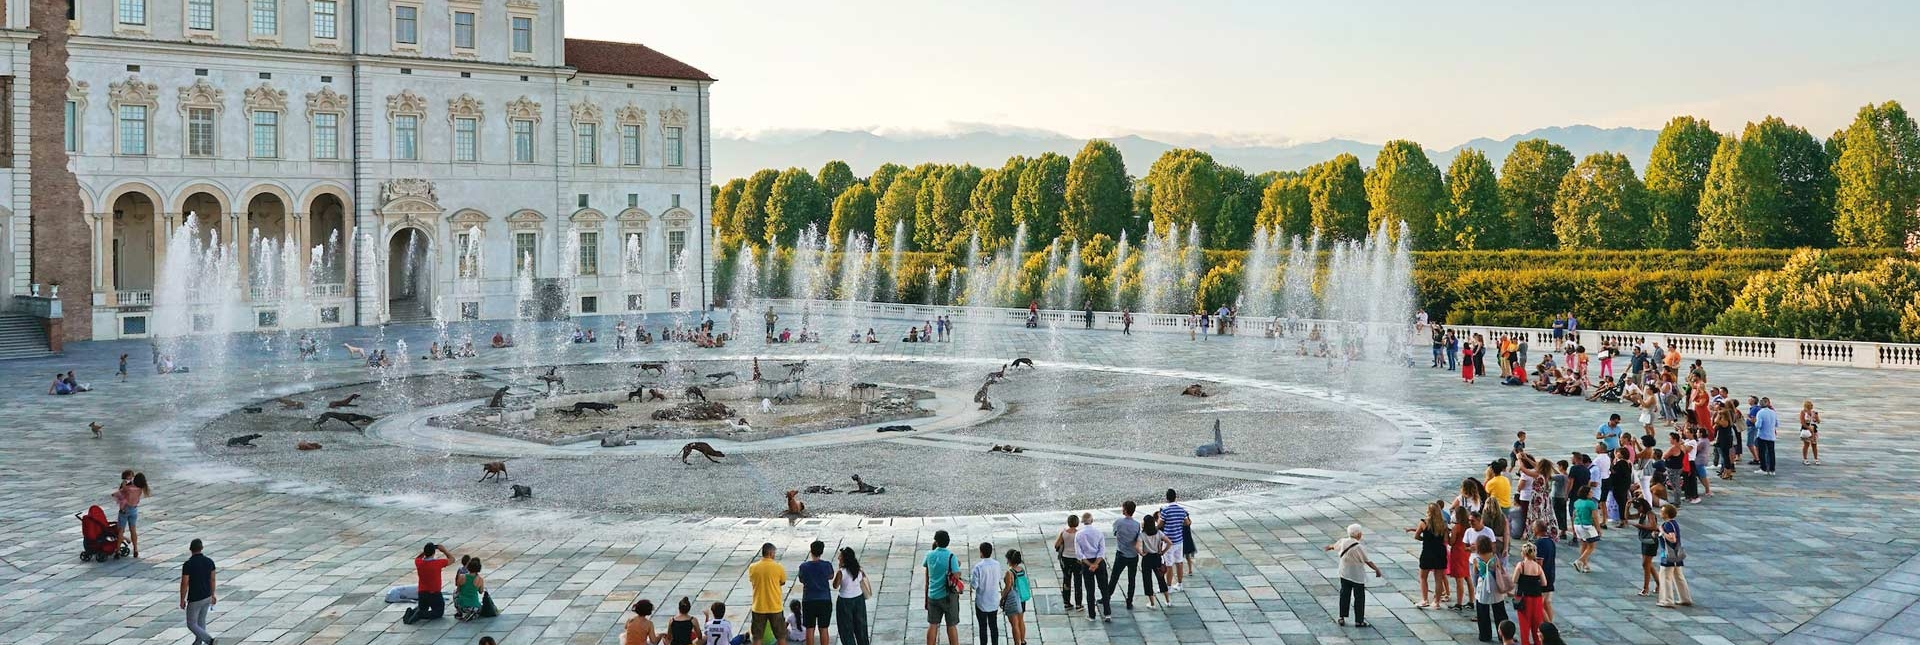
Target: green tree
[1474, 217]
[1602, 205]
[882, 177]
[750, 214]
[1529, 184]
[1676, 173]
[1337, 190]
[835, 177]
[1240, 193]
[794, 204]
[1040, 196]
[938, 211]
[853, 213]
[990, 209]
[1186, 190]
[1099, 195]
[1878, 178]
[1772, 187]
[895, 213]
[1739, 196]
[1405, 188]
[725, 201]
[1285, 210]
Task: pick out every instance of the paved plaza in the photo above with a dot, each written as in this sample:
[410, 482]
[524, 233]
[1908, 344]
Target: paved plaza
[1817, 554]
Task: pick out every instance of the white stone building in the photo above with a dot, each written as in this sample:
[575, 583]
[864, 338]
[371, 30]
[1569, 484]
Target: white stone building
[367, 161]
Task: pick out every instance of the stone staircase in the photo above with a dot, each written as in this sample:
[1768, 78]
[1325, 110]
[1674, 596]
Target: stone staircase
[408, 311]
[22, 337]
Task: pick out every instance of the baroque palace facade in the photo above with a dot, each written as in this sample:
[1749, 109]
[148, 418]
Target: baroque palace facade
[281, 164]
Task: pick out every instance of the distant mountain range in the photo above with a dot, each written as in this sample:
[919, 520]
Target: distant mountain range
[737, 156]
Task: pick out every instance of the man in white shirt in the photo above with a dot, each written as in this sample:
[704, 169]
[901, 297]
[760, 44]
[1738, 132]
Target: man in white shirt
[1602, 469]
[1092, 545]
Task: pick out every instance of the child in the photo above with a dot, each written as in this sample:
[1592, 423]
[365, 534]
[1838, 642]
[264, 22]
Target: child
[718, 631]
[1519, 446]
[796, 623]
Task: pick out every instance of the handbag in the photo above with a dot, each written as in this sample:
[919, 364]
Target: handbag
[487, 609]
[1502, 582]
[1806, 433]
[954, 582]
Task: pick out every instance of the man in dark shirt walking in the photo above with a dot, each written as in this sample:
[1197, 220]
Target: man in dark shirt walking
[196, 592]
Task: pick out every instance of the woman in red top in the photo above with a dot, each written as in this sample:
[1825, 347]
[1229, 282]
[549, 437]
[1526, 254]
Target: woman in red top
[1457, 568]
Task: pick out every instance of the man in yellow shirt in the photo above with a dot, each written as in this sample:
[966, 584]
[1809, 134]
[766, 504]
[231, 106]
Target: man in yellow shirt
[1501, 489]
[768, 579]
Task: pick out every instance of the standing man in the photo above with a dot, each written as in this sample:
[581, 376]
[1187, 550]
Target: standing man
[943, 601]
[428, 565]
[196, 591]
[1440, 343]
[1609, 433]
[1093, 566]
[767, 578]
[1766, 426]
[1126, 322]
[816, 597]
[1088, 306]
[771, 318]
[1126, 536]
[1175, 524]
[620, 334]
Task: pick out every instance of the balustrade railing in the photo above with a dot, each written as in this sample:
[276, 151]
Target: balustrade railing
[133, 298]
[1789, 351]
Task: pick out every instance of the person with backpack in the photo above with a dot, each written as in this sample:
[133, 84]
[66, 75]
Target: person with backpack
[943, 590]
[1491, 584]
[1352, 556]
[1015, 591]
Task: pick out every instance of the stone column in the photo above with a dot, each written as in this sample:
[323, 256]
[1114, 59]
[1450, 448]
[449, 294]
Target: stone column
[104, 221]
[237, 224]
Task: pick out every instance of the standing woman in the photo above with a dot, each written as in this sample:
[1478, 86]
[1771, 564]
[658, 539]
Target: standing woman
[1469, 360]
[1014, 594]
[1648, 528]
[130, 493]
[1529, 594]
[1431, 532]
[1354, 563]
[850, 604]
[1457, 566]
[1700, 400]
[1673, 560]
[1154, 545]
[1489, 593]
[1069, 563]
[1540, 510]
[1725, 443]
[1809, 432]
[1587, 520]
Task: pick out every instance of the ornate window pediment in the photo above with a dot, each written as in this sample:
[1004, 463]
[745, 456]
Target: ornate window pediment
[525, 220]
[266, 98]
[406, 102]
[326, 100]
[202, 94]
[524, 108]
[524, 5]
[633, 218]
[77, 92]
[673, 117]
[586, 112]
[409, 197]
[678, 217]
[134, 91]
[468, 219]
[630, 114]
[587, 217]
[463, 106]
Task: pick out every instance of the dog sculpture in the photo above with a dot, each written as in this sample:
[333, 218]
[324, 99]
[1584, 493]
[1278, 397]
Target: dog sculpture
[694, 392]
[551, 379]
[492, 470]
[95, 427]
[290, 404]
[307, 445]
[638, 393]
[996, 377]
[861, 487]
[253, 409]
[243, 441]
[1195, 390]
[739, 425]
[894, 429]
[611, 440]
[595, 406]
[571, 413]
[343, 403]
[766, 406]
[499, 399]
[817, 489]
[349, 418]
[702, 448]
[795, 369]
[794, 505]
[354, 352]
[521, 491]
[1009, 449]
[1023, 362]
[721, 377]
[657, 368]
[1215, 449]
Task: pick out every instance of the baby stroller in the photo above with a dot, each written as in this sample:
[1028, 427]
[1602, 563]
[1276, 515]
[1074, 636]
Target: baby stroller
[99, 538]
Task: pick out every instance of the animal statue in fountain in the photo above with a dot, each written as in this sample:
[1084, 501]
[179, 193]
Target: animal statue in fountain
[354, 352]
[766, 406]
[1195, 390]
[894, 428]
[720, 377]
[980, 397]
[794, 370]
[307, 445]
[1215, 449]
[795, 507]
[996, 377]
[1023, 362]
[343, 403]
[817, 489]
[95, 427]
[657, 368]
[862, 390]
[349, 418]
[1009, 449]
[290, 404]
[612, 440]
[595, 406]
[521, 491]
[652, 394]
[861, 487]
[551, 379]
[694, 393]
[495, 470]
[739, 425]
[253, 409]
[701, 447]
[499, 399]
[243, 441]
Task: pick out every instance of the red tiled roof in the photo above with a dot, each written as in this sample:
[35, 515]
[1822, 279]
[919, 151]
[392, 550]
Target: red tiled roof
[627, 59]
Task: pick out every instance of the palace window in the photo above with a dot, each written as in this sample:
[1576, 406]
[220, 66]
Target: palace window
[630, 145]
[266, 134]
[675, 154]
[525, 253]
[630, 252]
[676, 247]
[522, 141]
[466, 134]
[264, 19]
[586, 148]
[200, 15]
[200, 130]
[522, 35]
[589, 253]
[406, 25]
[73, 126]
[133, 12]
[133, 129]
[326, 135]
[463, 30]
[326, 19]
[467, 262]
[406, 137]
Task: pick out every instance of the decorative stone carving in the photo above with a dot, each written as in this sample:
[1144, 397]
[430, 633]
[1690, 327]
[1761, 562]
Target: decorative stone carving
[524, 5]
[630, 114]
[406, 102]
[678, 217]
[266, 98]
[467, 219]
[398, 189]
[77, 92]
[463, 106]
[588, 217]
[202, 94]
[525, 220]
[673, 117]
[326, 100]
[134, 91]
[633, 218]
[586, 112]
[524, 108]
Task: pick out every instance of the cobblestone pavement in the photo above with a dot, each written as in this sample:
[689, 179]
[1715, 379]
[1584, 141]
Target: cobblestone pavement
[1818, 554]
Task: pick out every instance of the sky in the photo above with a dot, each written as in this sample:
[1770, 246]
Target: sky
[1276, 71]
